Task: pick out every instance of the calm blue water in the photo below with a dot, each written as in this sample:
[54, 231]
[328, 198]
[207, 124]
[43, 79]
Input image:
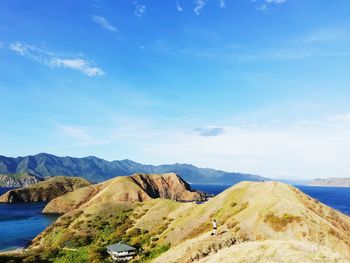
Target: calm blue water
[335, 197]
[19, 223]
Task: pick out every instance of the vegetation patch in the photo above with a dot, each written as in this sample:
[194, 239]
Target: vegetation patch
[280, 224]
[204, 227]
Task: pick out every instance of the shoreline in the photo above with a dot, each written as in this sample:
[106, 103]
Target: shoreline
[19, 250]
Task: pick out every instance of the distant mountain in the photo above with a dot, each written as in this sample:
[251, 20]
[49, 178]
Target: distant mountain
[338, 182]
[97, 170]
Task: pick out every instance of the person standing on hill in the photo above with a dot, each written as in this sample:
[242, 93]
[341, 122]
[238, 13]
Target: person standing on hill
[215, 227]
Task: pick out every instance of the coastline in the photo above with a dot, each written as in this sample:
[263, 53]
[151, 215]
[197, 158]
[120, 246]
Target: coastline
[11, 251]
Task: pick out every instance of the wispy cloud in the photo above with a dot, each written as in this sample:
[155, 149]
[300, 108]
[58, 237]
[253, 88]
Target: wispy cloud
[53, 60]
[344, 117]
[140, 9]
[77, 64]
[104, 23]
[80, 135]
[275, 1]
[178, 7]
[264, 5]
[313, 148]
[222, 3]
[199, 5]
[263, 8]
[326, 35]
[209, 131]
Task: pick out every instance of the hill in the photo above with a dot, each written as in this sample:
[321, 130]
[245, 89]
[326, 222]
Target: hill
[98, 170]
[336, 182]
[258, 222]
[19, 180]
[135, 188]
[44, 191]
[261, 213]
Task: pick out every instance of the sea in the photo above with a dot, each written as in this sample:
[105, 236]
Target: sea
[19, 223]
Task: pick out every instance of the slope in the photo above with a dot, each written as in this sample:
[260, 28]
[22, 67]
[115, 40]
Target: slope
[44, 191]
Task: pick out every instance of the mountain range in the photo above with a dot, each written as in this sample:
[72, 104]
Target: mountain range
[97, 170]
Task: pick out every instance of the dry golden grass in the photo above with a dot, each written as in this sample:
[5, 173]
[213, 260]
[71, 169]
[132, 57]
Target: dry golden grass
[281, 223]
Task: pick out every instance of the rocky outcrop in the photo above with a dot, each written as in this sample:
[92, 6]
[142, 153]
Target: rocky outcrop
[336, 182]
[168, 186]
[135, 188]
[44, 191]
[19, 180]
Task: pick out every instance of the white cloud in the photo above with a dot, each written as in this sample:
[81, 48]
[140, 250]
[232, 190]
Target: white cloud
[80, 135]
[264, 4]
[326, 35]
[313, 148]
[53, 60]
[19, 48]
[140, 10]
[304, 152]
[77, 64]
[209, 131]
[263, 8]
[275, 1]
[178, 7]
[345, 117]
[199, 5]
[222, 3]
[104, 23]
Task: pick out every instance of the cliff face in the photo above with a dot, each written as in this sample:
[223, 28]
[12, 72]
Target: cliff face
[336, 182]
[135, 188]
[168, 186]
[19, 180]
[44, 191]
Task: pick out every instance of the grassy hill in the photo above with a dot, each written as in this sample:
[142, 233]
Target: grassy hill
[45, 190]
[257, 222]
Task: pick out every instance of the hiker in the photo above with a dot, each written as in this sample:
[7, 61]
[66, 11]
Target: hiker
[215, 227]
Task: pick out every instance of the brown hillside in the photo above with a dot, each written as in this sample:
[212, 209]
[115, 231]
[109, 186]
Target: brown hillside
[135, 188]
[45, 190]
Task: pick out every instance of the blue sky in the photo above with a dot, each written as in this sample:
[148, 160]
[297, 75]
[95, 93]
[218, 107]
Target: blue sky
[257, 86]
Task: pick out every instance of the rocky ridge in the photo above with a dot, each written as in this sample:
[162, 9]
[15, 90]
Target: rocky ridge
[44, 191]
[19, 180]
